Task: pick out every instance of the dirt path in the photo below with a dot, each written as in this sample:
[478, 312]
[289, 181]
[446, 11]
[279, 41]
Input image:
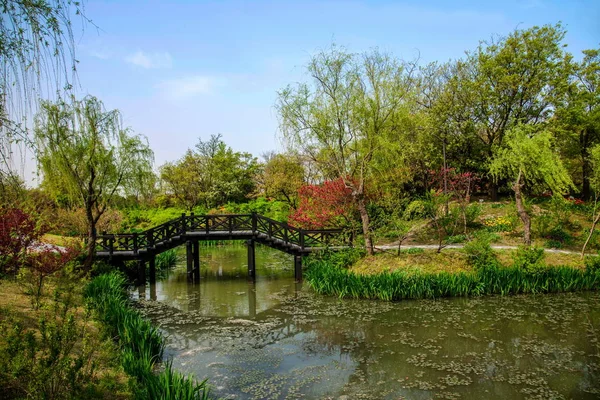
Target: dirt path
[393, 246]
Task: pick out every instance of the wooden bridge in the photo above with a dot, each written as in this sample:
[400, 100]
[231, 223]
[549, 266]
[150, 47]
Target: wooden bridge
[191, 229]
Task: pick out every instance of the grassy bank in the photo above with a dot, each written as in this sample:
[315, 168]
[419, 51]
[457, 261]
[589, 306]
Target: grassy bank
[142, 345]
[329, 274]
[56, 351]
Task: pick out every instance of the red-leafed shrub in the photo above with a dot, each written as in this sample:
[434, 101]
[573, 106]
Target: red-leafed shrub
[327, 205]
[43, 262]
[461, 185]
[18, 231]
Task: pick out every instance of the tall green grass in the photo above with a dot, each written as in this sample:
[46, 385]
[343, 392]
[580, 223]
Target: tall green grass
[166, 260]
[142, 344]
[326, 275]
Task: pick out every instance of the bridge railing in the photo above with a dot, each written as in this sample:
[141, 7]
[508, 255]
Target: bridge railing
[222, 223]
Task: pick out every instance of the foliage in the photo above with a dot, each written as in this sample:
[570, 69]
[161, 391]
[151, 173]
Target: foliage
[85, 154]
[166, 259]
[326, 278]
[73, 222]
[415, 209]
[275, 209]
[18, 231]
[142, 343]
[283, 177]
[212, 175]
[329, 205]
[479, 251]
[528, 258]
[344, 118]
[54, 363]
[37, 58]
[592, 263]
[42, 263]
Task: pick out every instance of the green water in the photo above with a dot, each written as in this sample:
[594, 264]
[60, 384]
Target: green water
[277, 340]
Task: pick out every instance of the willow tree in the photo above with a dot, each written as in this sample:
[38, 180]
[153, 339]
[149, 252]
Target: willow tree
[37, 59]
[531, 163]
[343, 116]
[84, 152]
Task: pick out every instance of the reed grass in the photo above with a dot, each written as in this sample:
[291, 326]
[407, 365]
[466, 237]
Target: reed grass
[166, 260]
[142, 344]
[327, 275]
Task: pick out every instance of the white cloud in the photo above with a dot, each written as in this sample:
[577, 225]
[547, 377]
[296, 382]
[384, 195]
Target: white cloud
[189, 86]
[150, 60]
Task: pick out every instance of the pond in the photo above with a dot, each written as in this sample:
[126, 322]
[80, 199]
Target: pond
[275, 339]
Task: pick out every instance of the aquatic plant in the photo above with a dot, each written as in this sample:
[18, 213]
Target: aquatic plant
[142, 343]
[167, 259]
[330, 278]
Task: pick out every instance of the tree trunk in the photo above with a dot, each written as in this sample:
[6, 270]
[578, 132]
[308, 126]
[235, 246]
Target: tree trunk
[521, 210]
[593, 227]
[493, 191]
[364, 217]
[586, 169]
[91, 244]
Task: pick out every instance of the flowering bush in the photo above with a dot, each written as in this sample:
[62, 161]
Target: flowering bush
[498, 224]
[324, 206]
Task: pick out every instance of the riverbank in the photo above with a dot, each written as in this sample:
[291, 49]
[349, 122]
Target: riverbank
[349, 275]
[141, 343]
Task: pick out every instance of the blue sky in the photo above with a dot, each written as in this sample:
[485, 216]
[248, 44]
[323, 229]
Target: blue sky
[181, 70]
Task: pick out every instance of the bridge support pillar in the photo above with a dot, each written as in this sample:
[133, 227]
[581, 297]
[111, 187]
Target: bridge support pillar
[141, 267]
[298, 268]
[189, 251]
[251, 260]
[196, 251]
[152, 268]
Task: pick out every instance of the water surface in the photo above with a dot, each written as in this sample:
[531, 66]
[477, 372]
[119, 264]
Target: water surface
[277, 340]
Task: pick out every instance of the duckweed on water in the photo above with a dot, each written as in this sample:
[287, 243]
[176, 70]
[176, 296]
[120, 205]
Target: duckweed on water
[307, 346]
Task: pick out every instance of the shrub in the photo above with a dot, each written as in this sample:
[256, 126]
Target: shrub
[529, 258]
[456, 239]
[48, 364]
[472, 212]
[416, 209]
[479, 251]
[18, 231]
[592, 263]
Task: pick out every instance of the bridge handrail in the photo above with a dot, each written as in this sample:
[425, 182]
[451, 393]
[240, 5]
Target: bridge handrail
[259, 224]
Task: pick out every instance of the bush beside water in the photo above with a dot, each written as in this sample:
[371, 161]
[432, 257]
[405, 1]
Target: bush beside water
[327, 274]
[142, 344]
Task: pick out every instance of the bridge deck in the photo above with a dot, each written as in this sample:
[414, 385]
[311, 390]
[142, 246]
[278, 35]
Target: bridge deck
[192, 227]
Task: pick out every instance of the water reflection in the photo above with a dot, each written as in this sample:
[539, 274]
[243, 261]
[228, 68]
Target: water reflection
[275, 339]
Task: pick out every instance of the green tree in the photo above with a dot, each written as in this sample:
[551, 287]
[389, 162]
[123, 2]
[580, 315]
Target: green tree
[530, 162]
[84, 152]
[510, 81]
[343, 118]
[578, 115]
[283, 176]
[182, 179]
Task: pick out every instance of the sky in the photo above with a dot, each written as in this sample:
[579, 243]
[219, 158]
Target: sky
[182, 70]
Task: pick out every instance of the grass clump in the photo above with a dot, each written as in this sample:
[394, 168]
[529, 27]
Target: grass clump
[141, 343]
[488, 277]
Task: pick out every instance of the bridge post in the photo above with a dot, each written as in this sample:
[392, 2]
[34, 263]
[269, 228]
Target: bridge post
[141, 265]
[251, 260]
[298, 267]
[196, 251]
[189, 252]
[152, 268]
